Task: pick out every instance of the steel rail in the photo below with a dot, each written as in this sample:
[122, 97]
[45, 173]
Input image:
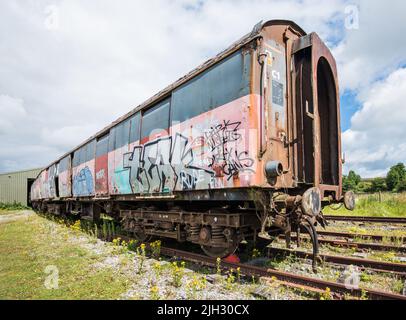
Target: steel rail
[359, 245]
[288, 278]
[361, 236]
[397, 269]
[395, 220]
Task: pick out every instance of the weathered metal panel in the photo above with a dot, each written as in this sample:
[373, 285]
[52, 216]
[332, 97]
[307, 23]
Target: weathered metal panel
[83, 179]
[216, 149]
[210, 144]
[13, 186]
[65, 181]
[212, 141]
[224, 82]
[101, 167]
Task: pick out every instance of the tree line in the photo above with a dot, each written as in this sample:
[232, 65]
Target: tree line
[395, 181]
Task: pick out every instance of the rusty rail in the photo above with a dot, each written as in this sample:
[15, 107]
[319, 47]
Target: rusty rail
[397, 220]
[357, 245]
[288, 278]
[397, 269]
[361, 236]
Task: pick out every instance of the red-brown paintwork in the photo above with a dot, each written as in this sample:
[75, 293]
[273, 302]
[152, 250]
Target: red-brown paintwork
[247, 111]
[101, 175]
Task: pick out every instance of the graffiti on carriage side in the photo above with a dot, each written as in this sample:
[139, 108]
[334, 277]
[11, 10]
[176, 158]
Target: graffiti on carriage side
[83, 183]
[178, 163]
[223, 133]
[100, 174]
[164, 165]
[224, 140]
[50, 184]
[64, 184]
[234, 163]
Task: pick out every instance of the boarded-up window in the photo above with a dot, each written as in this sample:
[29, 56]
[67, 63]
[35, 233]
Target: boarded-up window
[84, 154]
[102, 146]
[122, 134]
[76, 158]
[90, 150]
[64, 164]
[155, 119]
[135, 129]
[224, 82]
[112, 140]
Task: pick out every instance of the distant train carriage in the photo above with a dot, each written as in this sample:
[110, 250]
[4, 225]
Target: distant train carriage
[246, 145]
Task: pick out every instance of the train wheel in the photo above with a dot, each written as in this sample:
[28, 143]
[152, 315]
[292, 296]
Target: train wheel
[216, 252]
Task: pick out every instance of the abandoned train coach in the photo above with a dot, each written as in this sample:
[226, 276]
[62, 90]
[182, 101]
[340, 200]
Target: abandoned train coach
[248, 144]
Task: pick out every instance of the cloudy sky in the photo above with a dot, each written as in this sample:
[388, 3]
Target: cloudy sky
[70, 67]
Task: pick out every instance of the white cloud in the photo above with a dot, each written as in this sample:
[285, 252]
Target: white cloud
[375, 49]
[68, 136]
[64, 77]
[11, 111]
[376, 139]
[75, 66]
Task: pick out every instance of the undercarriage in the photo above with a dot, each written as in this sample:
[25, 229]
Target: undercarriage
[217, 226]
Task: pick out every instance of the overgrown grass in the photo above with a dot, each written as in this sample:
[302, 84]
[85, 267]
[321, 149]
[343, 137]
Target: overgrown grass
[7, 208]
[379, 205]
[29, 247]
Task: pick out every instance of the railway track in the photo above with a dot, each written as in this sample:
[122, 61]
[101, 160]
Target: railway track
[356, 245]
[361, 236]
[397, 269]
[359, 245]
[288, 279]
[398, 220]
[309, 284]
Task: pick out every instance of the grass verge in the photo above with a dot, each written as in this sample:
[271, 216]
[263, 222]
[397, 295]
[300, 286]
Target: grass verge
[375, 205]
[34, 252]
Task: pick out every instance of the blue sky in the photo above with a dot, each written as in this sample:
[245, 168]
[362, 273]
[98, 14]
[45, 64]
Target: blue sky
[349, 105]
[70, 67]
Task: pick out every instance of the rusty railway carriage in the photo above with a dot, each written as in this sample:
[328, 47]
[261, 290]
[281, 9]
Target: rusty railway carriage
[246, 145]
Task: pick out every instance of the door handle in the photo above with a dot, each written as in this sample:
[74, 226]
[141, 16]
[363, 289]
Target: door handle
[308, 113]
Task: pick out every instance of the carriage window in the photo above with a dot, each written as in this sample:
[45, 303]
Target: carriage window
[82, 156]
[52, 172]
[156, 118]
[90, 149]
[102, 146]
[112, 140]
[64, 164]
[122, 134]
[222, 83]
[135, 127]
[76, 158]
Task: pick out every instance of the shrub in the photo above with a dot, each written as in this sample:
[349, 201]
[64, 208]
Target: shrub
[378, 184]
[12, 206]
[177, 273]
[156, 248]
[395, 176]
[401, 187]
[141, 253]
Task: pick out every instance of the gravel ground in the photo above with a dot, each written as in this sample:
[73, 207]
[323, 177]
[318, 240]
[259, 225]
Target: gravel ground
[155, 279]
[340, 273]
[149, 278]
